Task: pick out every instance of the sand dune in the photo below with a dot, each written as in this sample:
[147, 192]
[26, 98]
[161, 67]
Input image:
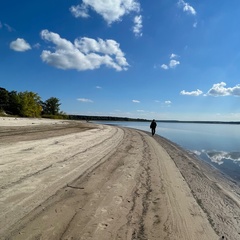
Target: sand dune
[75, 180]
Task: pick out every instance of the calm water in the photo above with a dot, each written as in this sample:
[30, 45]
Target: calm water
[217, 144]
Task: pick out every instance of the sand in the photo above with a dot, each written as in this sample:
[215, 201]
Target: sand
[77, 180]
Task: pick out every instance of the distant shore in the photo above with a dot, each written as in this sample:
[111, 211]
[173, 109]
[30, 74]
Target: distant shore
[126, 119]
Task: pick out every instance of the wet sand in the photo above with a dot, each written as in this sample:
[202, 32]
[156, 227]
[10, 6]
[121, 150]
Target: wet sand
[77, 180]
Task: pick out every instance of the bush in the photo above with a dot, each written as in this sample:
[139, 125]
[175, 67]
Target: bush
[55, 116]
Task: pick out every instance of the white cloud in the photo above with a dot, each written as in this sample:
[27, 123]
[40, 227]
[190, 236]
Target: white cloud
[20, 45]
[79, 11]
[140, 111]
[173, 56]
[195, 24]
[189, 9]
[137, 28]
[85, 100]
[110, 10]
[37, 45]
[135, 101]
[168, 102]
[98, 87]
[193, 93]
[186, 7]
[219, 89]
[83, 54]
[164, 66]
[9, 28]
[173, 63]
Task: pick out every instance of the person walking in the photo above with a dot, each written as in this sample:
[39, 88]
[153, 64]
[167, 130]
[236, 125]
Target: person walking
[153, 126]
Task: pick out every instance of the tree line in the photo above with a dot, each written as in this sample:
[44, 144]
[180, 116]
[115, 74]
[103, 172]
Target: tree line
[28, 104]
[105, 118]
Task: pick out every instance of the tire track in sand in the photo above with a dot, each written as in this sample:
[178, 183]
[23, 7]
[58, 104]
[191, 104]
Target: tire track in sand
[23, 196]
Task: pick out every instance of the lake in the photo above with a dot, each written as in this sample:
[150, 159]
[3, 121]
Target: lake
[217, 144]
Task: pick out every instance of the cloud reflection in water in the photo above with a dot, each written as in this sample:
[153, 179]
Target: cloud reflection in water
[219, 156]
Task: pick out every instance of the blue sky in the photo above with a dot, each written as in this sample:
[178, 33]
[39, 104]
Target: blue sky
[165, 59]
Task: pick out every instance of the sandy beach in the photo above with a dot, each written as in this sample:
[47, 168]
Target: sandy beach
[67, 180]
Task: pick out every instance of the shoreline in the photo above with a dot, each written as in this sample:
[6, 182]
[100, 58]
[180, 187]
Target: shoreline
[216, 191]
[158, 186]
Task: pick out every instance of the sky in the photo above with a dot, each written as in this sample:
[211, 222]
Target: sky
[164, 59]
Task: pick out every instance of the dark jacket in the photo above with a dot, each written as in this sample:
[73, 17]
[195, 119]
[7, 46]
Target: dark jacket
[153, 124]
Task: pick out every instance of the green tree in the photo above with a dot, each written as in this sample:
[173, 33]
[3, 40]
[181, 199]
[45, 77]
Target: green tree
[51, 106]
[30, 104]
[4, 98]
[14, 105]
[25, 104]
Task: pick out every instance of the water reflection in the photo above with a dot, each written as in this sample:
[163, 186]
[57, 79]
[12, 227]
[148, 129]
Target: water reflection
[220, 157]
